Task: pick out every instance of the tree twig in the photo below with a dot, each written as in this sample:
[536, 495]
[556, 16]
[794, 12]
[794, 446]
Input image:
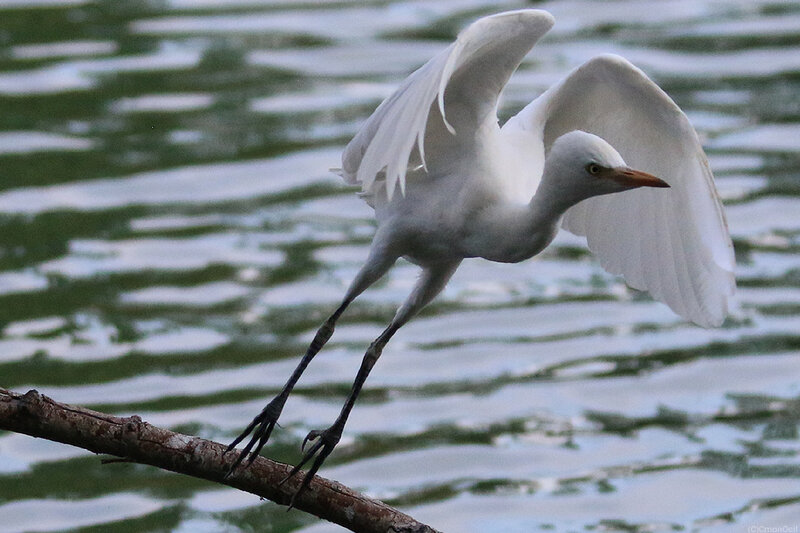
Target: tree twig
[134, 440]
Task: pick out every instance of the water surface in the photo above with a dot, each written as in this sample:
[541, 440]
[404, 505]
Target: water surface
[171, 238]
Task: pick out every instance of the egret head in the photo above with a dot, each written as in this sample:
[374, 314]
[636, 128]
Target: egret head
[584, 165]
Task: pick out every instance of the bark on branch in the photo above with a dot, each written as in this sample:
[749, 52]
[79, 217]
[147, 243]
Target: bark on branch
[134, 440]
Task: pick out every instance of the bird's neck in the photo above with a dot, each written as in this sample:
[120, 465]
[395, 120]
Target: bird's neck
[553, 196]
[511, 233]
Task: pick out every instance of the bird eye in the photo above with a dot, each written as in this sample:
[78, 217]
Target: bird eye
[593, 168]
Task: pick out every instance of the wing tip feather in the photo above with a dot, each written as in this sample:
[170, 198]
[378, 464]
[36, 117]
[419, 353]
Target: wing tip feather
[362, 168]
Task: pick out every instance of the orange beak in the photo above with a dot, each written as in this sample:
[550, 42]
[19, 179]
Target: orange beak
[635, 178]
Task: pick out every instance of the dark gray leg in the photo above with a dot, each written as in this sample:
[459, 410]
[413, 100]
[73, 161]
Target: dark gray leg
[324, 441]
[262, 425]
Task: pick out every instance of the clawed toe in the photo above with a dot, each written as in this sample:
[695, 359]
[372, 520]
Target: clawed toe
[311, 437]
[261, 427]
[323, 443]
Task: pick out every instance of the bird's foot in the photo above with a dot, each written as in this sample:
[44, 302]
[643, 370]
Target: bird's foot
[323, 443]
[261, 427]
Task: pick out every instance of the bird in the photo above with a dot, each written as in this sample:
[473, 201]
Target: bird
[447, 182]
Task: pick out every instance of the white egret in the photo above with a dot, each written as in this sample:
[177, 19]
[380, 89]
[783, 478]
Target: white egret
[470, 188]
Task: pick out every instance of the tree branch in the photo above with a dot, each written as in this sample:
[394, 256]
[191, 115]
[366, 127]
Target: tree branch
[134, 440]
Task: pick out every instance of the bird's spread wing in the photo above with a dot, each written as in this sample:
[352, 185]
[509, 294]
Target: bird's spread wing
[439, 109]
[673, 243]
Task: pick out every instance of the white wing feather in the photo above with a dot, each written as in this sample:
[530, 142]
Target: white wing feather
[673, 243]
[440, 107]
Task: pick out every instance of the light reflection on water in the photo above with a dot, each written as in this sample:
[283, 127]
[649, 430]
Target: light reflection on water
[172, 238]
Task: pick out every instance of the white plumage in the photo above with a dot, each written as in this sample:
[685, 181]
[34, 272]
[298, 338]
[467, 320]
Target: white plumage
[675, 246]
[448, 183]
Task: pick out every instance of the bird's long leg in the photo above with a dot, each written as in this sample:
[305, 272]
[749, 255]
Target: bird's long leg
[262, 425]
[431, 282]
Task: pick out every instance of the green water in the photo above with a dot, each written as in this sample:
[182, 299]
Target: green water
[171, 238]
